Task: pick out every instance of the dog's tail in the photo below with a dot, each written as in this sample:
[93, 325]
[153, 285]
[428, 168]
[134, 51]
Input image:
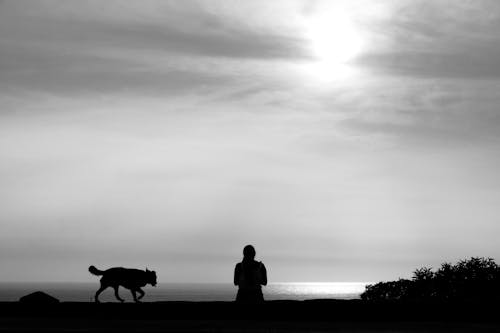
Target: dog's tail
[95, 271]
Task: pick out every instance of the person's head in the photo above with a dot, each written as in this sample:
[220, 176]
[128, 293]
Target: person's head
[249, 252]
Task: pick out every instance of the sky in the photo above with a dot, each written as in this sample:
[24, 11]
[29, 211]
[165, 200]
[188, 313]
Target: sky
[345, 140]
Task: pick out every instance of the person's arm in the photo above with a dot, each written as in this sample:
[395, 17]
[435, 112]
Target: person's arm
[264, 275]
[237, 272]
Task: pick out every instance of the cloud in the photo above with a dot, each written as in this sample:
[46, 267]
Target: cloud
[69, 73]
[77, 49]
[439, 39]
[465, 63]
[197, 32]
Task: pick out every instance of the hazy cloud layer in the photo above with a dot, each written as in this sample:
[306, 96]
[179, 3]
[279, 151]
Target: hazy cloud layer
[172, 133]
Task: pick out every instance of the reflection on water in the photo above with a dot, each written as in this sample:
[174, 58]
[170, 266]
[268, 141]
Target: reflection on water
[84, 292]
[315, 290]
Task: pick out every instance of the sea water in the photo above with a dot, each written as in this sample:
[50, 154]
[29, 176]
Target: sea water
[195, 292]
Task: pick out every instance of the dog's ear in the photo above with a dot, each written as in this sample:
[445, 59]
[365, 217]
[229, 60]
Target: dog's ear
[147, 270]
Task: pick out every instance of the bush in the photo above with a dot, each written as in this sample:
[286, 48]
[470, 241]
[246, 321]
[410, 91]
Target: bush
[475, 279]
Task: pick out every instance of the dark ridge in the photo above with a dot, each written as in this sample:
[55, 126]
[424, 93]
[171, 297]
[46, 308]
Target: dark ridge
[312, 310]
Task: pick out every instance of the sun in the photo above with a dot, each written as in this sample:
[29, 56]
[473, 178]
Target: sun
[334, 40]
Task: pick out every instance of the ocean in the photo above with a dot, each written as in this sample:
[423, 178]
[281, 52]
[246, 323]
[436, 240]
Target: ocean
[198, 292]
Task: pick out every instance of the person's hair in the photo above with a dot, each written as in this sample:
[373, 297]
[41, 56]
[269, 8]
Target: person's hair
[249, 252]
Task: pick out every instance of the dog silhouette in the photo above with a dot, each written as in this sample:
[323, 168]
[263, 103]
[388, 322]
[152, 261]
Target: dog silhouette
[130, 278]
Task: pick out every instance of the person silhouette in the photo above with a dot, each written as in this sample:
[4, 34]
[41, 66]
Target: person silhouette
[249, 276]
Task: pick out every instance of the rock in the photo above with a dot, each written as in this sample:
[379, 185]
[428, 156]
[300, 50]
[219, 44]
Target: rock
[38, 297]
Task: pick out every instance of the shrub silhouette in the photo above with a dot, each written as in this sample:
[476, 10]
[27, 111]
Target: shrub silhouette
[474, 279]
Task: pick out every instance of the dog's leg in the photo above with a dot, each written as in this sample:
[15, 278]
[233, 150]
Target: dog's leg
[134, 295]
[141, 292]
[116, 294]
[101, 289]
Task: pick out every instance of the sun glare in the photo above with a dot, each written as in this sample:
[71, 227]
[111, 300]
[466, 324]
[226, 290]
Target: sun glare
[334, 40]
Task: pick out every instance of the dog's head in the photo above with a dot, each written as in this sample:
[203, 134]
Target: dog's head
[151, 277]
